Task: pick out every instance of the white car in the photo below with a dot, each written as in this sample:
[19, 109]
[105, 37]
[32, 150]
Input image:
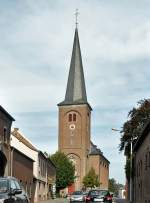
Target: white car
[77, 196]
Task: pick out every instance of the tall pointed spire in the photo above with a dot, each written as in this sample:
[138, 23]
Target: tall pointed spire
[76, 90]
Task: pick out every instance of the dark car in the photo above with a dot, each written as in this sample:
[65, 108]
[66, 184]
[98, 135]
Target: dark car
[99, 196]
[11, 191]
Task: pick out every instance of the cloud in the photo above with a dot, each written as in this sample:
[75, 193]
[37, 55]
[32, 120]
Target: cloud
[36, 40]
[45, 137]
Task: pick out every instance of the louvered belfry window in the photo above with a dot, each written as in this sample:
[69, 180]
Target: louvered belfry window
[72, 117]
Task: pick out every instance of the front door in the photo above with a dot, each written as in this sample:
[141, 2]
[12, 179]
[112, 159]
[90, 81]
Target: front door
[71, 188]
[3, 162]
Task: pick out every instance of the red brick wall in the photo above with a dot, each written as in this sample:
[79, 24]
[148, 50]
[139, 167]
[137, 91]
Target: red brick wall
[23, 170]
[79, 137]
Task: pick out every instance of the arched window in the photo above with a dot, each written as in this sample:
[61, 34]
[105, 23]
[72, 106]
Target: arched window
[149, 159]
[70, 117]
[141, 167]
[5, 134]
[146, 161]
[74, 117]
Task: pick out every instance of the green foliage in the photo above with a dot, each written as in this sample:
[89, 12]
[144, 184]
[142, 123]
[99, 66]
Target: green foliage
[64, 170]
[91, 179]
[114, 187]
[133, 127]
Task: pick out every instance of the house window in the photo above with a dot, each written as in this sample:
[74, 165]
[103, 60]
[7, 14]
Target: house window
[141, 166]
[30, 191]
[26, 187]
[146, 159]
[149, 159]
[5, 134]
[137, 170]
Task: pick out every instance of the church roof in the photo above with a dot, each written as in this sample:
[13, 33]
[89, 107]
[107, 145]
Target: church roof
[94, 150]
[76, 90]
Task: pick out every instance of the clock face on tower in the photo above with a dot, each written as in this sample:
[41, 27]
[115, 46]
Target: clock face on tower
[72, 126]
[72, 131]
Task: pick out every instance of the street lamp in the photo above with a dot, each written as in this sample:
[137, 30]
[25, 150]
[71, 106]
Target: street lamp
[114, 129]
[131, 152]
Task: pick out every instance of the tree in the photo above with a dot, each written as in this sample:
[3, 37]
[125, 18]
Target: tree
[91, 179]
[64, 170]
[133, 127]
[114, 187]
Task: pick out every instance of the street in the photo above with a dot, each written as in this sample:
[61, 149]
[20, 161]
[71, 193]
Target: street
[57, 200]
[64, 200]
[117, 200]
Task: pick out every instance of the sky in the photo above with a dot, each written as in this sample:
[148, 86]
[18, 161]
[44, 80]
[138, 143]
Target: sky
[36, 39]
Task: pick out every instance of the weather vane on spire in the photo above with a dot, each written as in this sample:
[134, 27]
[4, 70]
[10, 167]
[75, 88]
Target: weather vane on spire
[76, 14]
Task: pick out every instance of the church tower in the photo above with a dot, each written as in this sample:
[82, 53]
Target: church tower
[75, 117]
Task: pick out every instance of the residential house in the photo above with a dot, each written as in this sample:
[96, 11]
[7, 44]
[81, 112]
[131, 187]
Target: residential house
[22, 169]
[43, 168]
[5, 128]
[141, 167]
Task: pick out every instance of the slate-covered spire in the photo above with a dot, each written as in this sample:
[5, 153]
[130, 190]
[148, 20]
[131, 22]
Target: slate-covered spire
[76, 90]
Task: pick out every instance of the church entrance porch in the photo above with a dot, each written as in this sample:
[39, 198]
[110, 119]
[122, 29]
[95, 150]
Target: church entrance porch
[71, 188]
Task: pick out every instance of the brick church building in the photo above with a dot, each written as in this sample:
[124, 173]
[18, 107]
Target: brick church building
[75, 125]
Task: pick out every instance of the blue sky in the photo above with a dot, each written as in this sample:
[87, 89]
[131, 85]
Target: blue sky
[36, 39]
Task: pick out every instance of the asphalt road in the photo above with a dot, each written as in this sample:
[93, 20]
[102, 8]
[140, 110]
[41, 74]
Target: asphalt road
[64, 200]
[121, 200]
[57, 200]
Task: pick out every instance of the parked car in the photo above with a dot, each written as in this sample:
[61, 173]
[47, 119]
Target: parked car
[77, 196]
[11, 191]
[99, 196]
[85, 193]
[68, 196]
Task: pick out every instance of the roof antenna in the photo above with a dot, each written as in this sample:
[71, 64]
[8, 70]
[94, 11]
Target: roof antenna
[76, 15]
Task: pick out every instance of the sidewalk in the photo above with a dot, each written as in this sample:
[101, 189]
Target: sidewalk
[57, 200]
[117, 200]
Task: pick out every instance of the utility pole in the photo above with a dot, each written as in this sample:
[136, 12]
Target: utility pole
[131, 152]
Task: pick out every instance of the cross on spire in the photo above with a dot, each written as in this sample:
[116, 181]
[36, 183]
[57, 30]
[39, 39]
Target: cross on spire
[76, 15]
[76, 90]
